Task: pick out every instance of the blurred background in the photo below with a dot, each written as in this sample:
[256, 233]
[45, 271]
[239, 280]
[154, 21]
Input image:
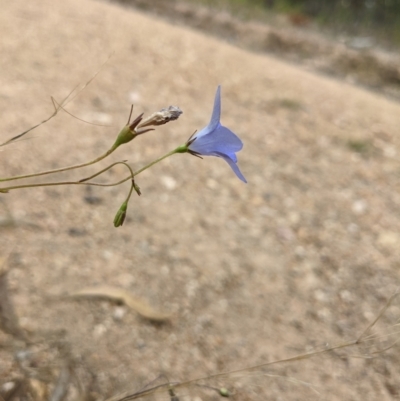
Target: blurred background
[207, 275]
[357, 41]
[378, 19]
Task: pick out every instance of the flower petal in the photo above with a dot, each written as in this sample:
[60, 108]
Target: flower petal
[217, 140]
[221, 140]
[234, 167]
[231, 156]
[216, 114]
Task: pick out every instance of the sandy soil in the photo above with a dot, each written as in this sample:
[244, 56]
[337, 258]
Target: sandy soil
[302, 257]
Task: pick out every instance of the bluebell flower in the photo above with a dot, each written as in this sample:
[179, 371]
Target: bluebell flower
[217, 140]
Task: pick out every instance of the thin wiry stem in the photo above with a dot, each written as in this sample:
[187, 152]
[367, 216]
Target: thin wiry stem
[134, 174]
[65, 101]
[85, 180]
[59, 170]
[258, 368]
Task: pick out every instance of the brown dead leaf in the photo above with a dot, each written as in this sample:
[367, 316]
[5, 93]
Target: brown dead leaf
[121, 295]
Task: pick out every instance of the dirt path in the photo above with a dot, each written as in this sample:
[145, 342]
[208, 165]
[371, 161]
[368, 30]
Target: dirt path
[302, 256]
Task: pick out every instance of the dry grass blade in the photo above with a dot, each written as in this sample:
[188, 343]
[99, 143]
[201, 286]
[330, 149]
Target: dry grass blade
[57, 106]
[55, 112]
[259, 370]
[372, 324]
[121, 295]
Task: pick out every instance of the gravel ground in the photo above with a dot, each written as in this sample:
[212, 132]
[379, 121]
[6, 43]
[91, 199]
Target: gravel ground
[302, 257]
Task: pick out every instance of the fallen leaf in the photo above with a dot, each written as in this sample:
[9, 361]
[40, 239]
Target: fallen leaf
[120, 295]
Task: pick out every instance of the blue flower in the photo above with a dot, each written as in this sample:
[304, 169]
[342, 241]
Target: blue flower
[217, 140]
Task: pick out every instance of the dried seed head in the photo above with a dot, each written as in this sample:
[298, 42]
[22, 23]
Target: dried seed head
[161, 117]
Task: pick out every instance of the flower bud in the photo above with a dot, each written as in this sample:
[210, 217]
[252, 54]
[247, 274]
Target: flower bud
[127, 133]
[136, 187]
[120, 216]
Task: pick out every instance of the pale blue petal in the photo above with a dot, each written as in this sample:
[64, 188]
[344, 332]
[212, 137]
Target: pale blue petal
[203, 132]
[217, 140]
[231, 156]
[216, 114]
[234, 167]
[221, 140]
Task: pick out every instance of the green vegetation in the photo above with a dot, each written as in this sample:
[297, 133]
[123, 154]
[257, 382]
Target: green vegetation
[379, 19]
[358, 17]
[363, 147]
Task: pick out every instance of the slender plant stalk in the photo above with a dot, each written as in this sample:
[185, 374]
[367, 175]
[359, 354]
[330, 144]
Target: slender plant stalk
[59, 170]
[136, 172]
[177, 150]
[84, 181]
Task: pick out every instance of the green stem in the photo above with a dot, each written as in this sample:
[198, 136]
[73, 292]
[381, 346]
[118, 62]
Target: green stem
[48, 184]
[131, 177]
[59, 170]
[130, 193]
[179, 149]
[104, 170]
